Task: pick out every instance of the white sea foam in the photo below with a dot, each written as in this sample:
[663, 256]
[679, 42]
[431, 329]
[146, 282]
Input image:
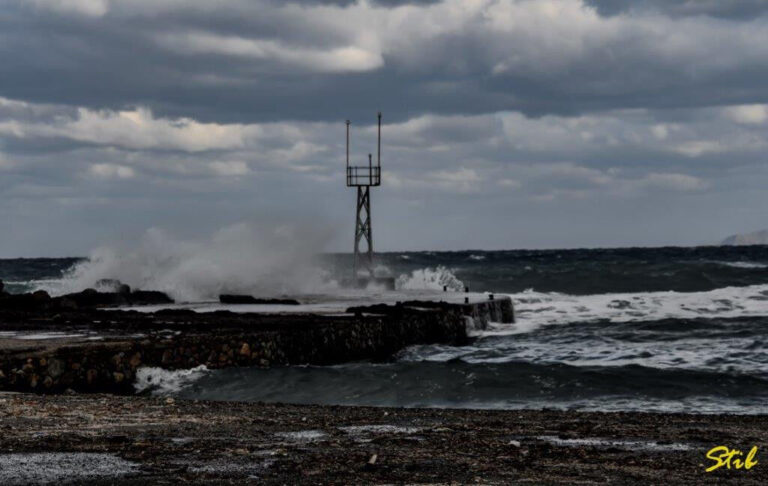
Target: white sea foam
[534, 309]
[19, 286]
[429, 279]
[245, 258]
[743, 264]
[477, 257]
[163, 382]
[41, 336]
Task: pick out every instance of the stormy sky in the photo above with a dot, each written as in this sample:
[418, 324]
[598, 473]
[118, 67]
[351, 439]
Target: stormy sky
[508, 123]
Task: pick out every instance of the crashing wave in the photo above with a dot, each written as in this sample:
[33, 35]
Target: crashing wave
[429, 279]
[239, 259]
[165, 382]
[535, 309]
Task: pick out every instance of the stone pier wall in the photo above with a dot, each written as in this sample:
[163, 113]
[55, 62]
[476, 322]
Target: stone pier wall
[110, 365]
[496, 310]
[181, 339]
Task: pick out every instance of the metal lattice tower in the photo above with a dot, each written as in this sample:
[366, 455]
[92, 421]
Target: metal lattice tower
[363, 178]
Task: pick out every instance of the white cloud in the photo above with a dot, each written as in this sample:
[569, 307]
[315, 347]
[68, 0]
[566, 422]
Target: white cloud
[675, 182]
[509, 183]
[111, 171]
[350, 58]
[132, 129]
[660, 131]
[298, 151]
[697, 148]
[90, 8]
[747, 114]
[229, 168]
[460, 180]
[572, 171]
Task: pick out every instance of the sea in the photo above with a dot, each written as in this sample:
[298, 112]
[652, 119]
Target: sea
[631, 329]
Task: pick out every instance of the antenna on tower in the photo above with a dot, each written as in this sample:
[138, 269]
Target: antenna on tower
[363, 178]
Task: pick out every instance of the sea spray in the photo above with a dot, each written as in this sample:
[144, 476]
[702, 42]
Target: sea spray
[244, 258]
[430, 279]
[164, 382]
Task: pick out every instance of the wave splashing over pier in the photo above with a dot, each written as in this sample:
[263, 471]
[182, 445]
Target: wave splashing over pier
[245, 258]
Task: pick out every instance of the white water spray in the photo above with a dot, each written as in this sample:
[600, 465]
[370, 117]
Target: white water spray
[244, 258]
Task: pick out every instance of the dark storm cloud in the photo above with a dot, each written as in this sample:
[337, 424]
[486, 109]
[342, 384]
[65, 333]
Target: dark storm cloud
[344, 3]
[233, 63]
[740, 9]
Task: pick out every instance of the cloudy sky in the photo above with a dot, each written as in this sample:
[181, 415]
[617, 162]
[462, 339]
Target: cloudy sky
[508, 123]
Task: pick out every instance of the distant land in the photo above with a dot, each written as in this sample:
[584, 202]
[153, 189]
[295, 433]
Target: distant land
[756, 238]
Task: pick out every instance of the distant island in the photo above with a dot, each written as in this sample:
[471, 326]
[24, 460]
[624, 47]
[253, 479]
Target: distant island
[756, 238]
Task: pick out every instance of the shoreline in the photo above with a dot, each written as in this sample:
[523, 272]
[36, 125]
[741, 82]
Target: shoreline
[166, 440]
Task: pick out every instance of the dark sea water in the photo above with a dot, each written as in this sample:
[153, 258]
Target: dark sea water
[660, 329]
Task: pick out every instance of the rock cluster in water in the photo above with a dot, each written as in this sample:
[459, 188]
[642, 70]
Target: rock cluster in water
[87, 299]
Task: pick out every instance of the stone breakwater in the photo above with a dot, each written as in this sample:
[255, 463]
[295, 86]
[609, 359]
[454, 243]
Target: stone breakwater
[101, 350]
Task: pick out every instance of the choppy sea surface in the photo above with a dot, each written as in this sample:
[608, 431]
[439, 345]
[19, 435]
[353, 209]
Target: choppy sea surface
[651, 329]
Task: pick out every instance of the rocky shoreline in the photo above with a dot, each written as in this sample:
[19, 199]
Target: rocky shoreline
[165, 441]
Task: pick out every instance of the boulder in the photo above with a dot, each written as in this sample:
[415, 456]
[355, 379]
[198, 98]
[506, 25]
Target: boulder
[40, 300]
[93, 298]
[41, 296]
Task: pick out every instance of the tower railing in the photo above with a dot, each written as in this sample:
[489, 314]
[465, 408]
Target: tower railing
[360, 175]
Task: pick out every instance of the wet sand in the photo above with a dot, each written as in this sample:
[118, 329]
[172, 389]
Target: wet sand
[121, 440]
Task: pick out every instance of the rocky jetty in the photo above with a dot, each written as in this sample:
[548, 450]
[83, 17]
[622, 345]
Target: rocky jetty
[179, 340]
[91, 349]
[480, 313]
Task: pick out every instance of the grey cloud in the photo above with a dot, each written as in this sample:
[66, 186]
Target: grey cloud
[478, 62]
[742, 9]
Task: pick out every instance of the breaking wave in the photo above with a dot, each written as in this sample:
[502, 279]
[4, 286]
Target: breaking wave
[743, 264]
[429, 279]
[243, 258]
[163, 382]
[535, 309]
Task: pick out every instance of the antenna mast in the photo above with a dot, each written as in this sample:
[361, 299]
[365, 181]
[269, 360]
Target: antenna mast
[363, 178]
